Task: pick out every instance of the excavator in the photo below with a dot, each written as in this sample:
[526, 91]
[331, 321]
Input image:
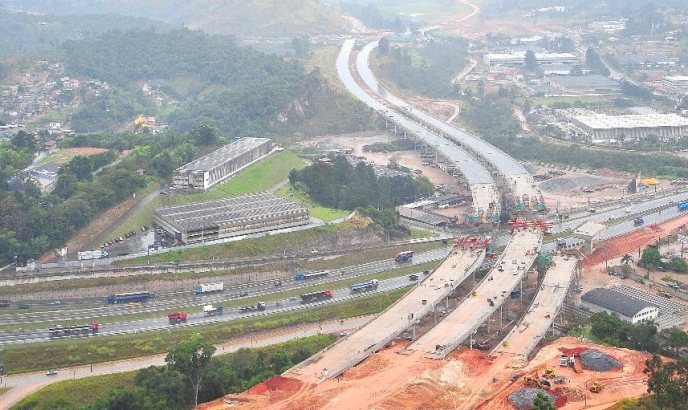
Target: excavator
[533, 381]
[596, 386]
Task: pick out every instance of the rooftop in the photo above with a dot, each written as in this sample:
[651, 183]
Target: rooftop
[615, 301]
[589, 228]
[222, 155]
[585, 81]
[602, 121]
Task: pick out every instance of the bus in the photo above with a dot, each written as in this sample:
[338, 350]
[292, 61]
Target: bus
[120, 298]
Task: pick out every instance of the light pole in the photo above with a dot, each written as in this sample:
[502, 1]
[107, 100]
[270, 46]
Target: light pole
[90, 361]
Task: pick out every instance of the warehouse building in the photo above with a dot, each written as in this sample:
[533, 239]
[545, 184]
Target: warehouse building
[593, 84]
[221, 164]
[629, 308]
[676, 83]
[606, 129]
[230, 217]
[518, 58]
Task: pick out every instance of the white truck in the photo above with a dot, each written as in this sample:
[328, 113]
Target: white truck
[87, 255]
[210, 287]
[210, 310]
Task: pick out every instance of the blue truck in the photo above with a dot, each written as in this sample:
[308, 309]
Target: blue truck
[405, 256]
[363, 286]
[136, 297]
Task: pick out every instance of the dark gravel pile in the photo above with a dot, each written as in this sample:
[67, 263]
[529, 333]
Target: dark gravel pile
[598, 361]
[523, 398]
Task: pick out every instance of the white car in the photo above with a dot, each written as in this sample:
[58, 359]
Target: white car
[629, 210]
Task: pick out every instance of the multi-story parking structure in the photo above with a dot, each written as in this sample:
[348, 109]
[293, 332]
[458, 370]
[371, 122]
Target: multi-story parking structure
[513, 180]
[221, 164]
[230, 217]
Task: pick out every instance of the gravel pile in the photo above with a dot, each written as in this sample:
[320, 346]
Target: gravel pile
[523, 398]
[598, 361]
[566, 183]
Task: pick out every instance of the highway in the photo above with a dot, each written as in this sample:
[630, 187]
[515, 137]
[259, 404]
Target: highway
[177, 302]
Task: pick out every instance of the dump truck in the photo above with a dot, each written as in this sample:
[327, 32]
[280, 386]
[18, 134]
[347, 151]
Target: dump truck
[251, 308]
[363, 286]
[210, 287]
[210, 310]
[316, 296]
[596, 386]
[177, 317]
[87, 255]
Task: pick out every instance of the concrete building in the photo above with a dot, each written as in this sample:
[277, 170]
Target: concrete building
[230, 217]
[676, 83]
[518, 58]
[629, 308]
[45, 176]
[221, 164]
[594, 84]
[589, 232]
[606, 129]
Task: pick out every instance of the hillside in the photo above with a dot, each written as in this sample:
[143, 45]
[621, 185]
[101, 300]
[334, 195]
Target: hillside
[257, 18]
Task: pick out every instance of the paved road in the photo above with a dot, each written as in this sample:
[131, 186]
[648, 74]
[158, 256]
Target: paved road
[23, 384]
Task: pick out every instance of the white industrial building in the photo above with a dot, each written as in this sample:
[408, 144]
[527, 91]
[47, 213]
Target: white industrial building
[221, 164]
[230, 217]
[629, 308]
[676, 83]
[607, 129]
[518, 58]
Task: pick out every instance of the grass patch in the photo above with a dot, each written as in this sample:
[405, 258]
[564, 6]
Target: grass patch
[426, 10]
[324, 59]
[77, 392]
[4, 390]
[323, 213]
[41, 356]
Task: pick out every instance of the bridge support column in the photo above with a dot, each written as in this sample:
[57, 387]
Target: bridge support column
[501, 313]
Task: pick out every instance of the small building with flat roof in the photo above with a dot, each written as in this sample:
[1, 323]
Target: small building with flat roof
[590, 233]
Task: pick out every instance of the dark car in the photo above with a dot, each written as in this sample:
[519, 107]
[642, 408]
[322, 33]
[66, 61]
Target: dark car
[243, 294]
[413, 277]
[24, 306]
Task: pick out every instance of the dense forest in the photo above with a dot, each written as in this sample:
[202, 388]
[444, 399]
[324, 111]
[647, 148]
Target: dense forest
[239, 90]
[335, 183]
[428, 69]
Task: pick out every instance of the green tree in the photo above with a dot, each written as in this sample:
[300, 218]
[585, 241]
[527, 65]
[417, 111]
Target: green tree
[651, 258]
[679, 265]
[190, 358]
[678, 339]
[668, 382]
[531, 61]
[383, 46]
[626, 259]
[542, 402]
[205, 134]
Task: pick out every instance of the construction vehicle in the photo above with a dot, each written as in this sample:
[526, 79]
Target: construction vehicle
[251, 308]
[559, 380]
[210, 310]
[363, 286]
[549, 374]
[210, 287]
[596, 386]
[316, 296]
[406, 256]
[662, 292]
[533, 381]
[177, 317]
[60, 330]
[564, 361]
[311, 275]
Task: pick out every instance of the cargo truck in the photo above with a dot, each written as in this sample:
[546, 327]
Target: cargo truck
[177, 317]
[210, 310]
[87, 255]
[363, 286]
[311, 275]
[251, 308]
[316, 296]
[60, 330]
[210, 287]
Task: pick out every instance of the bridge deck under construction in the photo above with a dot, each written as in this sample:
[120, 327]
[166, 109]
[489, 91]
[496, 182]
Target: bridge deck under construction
[401, 315]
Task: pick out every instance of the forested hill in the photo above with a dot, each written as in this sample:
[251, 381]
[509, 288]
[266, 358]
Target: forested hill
[255, 18]
[239, 90]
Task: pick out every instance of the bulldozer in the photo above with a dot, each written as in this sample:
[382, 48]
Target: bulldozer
[596, 387]
[549, 374]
